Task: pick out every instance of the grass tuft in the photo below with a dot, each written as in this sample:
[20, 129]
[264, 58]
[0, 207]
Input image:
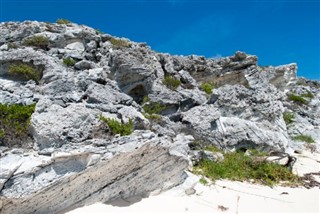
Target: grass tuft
[171, 82]
[153, 108]
[63, 21]
[308, 95]
[12, 45]
[304, 138]
[14, 122]
[120, 43]
[297, 99]
[69, 62]
[240, 167]
[28, 72]
[41, 42]
[206, 87]
[117, 127]
[288, 117]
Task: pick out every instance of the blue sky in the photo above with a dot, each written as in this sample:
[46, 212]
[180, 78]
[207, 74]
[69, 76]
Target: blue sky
[278, 32]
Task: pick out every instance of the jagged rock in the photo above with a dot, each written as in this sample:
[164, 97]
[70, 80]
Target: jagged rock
[212, 156]
[84, 65]
[71, 145]
[57, 125]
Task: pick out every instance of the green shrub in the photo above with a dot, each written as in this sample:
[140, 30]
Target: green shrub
[288, 117]
[238, 166]
[203, 181]
[171, 82]
[117, 127]
[69, 61]
[63, 21]
[206, 87]
[145, 99]
[12, 45]
[14, 122]
[119, 43]
[2, 133]
[153, 108]
[153, 117]
[297, 99]
[26, 71]
[37, 41]
[304, 138]
[308, 95]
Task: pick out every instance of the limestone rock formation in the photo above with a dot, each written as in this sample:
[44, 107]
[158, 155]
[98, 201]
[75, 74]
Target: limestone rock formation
[76, 76]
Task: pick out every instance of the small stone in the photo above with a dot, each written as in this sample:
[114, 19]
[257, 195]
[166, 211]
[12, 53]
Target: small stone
[190, 191]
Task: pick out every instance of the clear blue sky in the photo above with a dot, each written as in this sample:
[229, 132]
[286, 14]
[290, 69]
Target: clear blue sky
[278, 32]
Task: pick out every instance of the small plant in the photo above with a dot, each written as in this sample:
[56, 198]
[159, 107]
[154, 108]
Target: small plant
[25, 70]
[297, 99]
[212, 149]
[308, 95]
[117, 127]
[153, 108]
[171, 82]
[238, 166]
[154, 117]
[304, 138]
[203, 181]
[145, 99]
[2, 133]
[37, 41]
[206, 87]
[14, 122]
[288, 117]
[69, 62]
[63, 21]
[12, 45]
[119, 43]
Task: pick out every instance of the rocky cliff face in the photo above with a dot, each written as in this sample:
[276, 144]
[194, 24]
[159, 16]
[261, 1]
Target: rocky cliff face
[70, 157]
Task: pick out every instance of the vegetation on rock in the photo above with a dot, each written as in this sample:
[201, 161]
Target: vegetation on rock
[12, 45]
[207, 87]
[63, 21]
[119, 43]
[153, 108]
[14, 122]
[118, 127]
[41, 42]
[304, 138]
[26, 71]
[69, 61]
[297, 99]
[171, 82]
[241, 167]
[308, 95]
[288, 117]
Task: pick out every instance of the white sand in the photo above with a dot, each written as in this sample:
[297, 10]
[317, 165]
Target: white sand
[225, 197]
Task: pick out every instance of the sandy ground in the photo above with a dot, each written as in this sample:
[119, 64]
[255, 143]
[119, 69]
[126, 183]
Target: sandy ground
[225, 197]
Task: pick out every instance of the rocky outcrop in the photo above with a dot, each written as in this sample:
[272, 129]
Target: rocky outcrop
[72, 177]
[77, 159]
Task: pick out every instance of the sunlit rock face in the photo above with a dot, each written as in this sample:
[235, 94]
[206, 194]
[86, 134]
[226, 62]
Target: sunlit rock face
[76, 75]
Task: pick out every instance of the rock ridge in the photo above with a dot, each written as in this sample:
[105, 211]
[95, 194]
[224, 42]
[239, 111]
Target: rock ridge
[75, 159]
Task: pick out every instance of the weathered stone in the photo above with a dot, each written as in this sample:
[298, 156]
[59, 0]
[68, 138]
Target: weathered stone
[77, 160]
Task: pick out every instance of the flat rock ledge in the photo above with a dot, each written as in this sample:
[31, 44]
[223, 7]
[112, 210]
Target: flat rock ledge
[135, 165]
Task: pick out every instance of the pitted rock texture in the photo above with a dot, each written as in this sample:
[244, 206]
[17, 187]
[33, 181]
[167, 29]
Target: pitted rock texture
[75, 159]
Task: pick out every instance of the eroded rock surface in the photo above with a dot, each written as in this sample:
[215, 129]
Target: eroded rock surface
[76, 159]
